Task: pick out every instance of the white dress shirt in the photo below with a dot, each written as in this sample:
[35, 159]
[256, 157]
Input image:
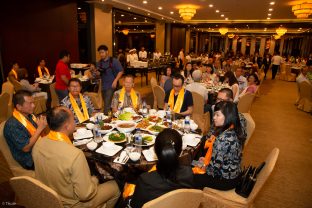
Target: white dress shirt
[142, 54]
[277, 60]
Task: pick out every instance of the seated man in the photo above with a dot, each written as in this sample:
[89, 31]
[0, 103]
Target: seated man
[242, 81]
[22, 130]
[178, 99]
[64, 168]
[42, 69]
[79, 104]
[126, 96]
[13, 74]
[196, 86]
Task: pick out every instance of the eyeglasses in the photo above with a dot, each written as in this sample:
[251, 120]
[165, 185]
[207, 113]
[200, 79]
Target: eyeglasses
[220, 99]
[177, 86]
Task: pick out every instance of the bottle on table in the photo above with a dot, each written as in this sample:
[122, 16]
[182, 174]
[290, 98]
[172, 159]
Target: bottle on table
[169, 117]
[144, 109]
[138, 137]
[187, 124]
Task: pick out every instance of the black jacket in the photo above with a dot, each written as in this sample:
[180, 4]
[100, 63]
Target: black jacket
[151, 185]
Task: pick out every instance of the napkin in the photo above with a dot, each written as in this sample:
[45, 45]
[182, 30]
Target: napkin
[122, 159]
[81, 142]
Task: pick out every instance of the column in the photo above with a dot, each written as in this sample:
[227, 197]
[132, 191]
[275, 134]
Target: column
[252, 46]
[103, 25]
[243, 48]
[209, 43]
[281, 46]
[187, 40]
[272, 46]
[160, 37]
[168, 37]
[226, 44]
[234, 45]
[196, 43]
[262, 47]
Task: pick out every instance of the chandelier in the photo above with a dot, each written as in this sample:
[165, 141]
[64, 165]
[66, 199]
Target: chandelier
[231, 35]
[281, 31]
[223, 30]
[187, 13]
[276, 36]
[302, 9]
[125, 31]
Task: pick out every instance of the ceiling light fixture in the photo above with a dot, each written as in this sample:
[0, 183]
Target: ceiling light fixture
[144, 2]
[302, 9]
[129, 8]
[270, 9]
[222, 15]
[231, 35]
[281, 31]
[171, 12]
[269, 14]
[125, 31]
[223, 30]
[210, 5]
[272, 3]
[217, 11]
[122, 15]
[268, 18]
[226, 18]
[187, 12]
[134, 18]
[160, 8]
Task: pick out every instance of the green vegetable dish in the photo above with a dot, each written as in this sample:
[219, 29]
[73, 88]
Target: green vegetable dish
[147, 139]
[156, 128]
[127, 116]
[117, 137]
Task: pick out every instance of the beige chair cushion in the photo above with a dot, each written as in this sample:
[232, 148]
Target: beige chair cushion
[96, 97]
[231, 199]
[4, 100]
[153, 84]
[40, 105]
[14, 166]
[305, 100]
[160, 96]
[245, 101]
[31, 193]
[7, 87]
[54, 98]
[251, 125]
[180, 198]
[198, 103]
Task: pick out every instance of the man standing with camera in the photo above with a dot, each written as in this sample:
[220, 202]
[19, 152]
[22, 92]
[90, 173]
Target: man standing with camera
[111, 71]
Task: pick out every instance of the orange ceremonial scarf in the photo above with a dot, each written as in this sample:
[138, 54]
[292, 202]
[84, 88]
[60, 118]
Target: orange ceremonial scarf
[23, 120]
[179, 102]
[81, 117]
[133, 96]
[14, 73]
[40, 71]
[58, 136]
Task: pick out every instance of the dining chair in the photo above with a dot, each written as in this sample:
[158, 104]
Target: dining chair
[153, 84]
[245, 102]
[305, 101]
[200, 118]
[251, 125]
[17, 85]
[227, 199]
[40, 105]
[4, 100]
[182, 198]
[54, 98]
[160, 96]
[96, 97]
[282, 75]
[32, 193]
[291, 77]
[7, 87]
[15, 167]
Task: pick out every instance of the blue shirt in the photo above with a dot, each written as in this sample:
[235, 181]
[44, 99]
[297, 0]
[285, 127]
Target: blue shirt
[17, 137]
[109, 71]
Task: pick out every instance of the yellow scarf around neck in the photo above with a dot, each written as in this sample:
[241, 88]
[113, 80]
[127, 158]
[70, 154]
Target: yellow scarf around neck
[23, 120]
[14, 73]
[40, 71]
[81, 117]
[133, 96]
[58, 136]
[179, 102]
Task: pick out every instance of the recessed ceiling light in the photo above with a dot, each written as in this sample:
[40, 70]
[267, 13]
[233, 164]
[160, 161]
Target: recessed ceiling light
[122, 15]
[145, 21]
[171, 12]
[210, 5]
[129, 8]
[268, 18]
[162, 18]
[134, 17]
[144, 2]
[226, 18]
[270, 9]
[216, 25]
[134, 29]
[222, 15]
[142, 30]
[217, 11]
[212, 29]
[247, 26]
[79, 8]
[102, 0]
[272, 3]
[148, 14]
[160, 8]
[173, 21]
[300, 28]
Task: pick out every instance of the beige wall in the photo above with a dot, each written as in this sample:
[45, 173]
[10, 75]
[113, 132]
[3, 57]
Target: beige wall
[103, 29]
[160, 37]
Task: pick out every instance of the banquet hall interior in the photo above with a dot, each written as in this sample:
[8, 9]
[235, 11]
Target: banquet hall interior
[223, 35]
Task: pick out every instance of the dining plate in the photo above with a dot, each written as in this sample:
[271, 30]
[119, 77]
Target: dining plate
[147, 140]
[109, 150]
[86, 134]
[108, 139]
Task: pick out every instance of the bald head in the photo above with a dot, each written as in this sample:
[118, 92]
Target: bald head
[197, 75]
[58, 117]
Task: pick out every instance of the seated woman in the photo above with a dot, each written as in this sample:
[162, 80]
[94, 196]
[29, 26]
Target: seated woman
[187, 72]
[223, 159]
[34, 88]
[229, 78]
[209, 74]
[166, 80]
[253, 83]
[169, 174]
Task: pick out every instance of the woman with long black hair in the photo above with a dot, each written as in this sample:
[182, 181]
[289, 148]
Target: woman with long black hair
[222, 162]
[169, 174]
